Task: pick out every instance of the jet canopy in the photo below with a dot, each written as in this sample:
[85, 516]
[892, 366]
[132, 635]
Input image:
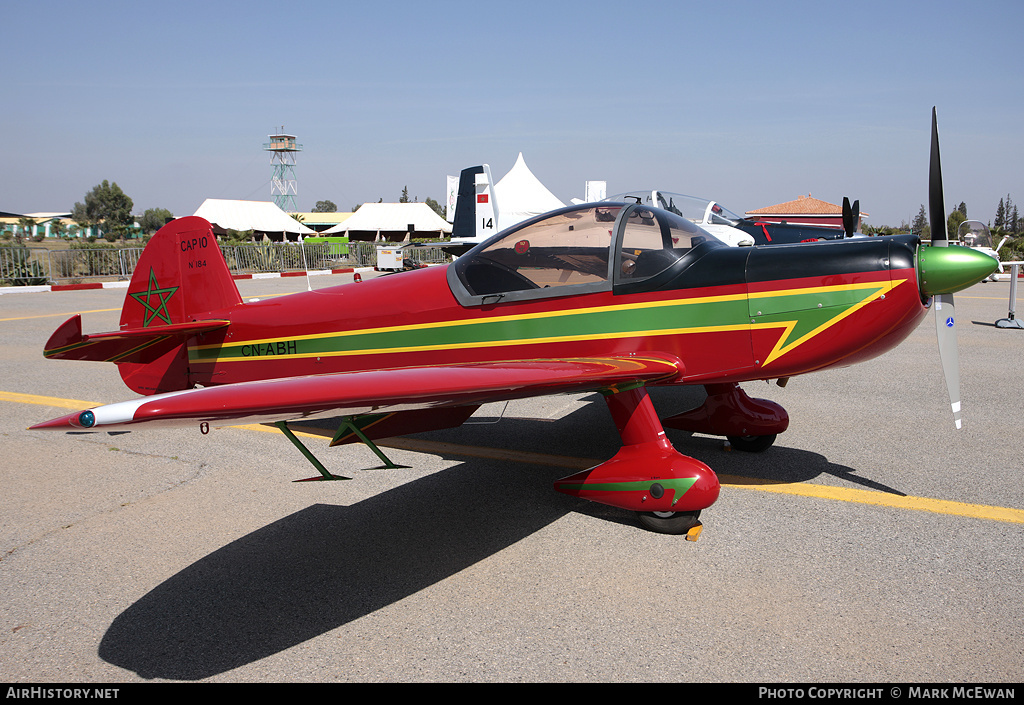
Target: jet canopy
[697, 210]
[581, 249]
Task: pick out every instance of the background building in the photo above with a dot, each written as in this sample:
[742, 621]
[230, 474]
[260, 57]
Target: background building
[805, 210]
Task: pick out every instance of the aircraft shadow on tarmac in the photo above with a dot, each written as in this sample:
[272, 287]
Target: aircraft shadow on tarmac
[325, 566]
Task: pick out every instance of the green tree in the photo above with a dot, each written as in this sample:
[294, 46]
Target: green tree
[920, 225]
[1006, 214]
[1000, 220]
[435, 206]
[106, 206]
[154, 219]
[405, 195]
[325, 207]
[25, 225]
[953, 223]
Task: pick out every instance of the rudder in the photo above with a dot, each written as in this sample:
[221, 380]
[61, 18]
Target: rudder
[181, 276]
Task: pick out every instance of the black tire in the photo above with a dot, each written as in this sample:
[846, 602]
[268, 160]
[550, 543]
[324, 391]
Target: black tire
[752, 444]
[669, 522]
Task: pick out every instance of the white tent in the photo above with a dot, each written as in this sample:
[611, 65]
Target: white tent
[520, 195]
[260, 216]
[389, 220]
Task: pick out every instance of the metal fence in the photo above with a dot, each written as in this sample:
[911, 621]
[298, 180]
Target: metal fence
[21, 266]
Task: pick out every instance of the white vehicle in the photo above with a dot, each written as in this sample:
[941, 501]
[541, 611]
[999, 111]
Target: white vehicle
[975, 234]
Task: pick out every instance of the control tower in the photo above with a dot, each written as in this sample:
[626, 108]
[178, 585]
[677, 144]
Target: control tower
[283, 188]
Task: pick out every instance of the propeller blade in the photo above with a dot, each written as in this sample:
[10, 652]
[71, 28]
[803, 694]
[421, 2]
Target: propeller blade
[851, 217]
[936, 208]
[945, 309]
[945, 331]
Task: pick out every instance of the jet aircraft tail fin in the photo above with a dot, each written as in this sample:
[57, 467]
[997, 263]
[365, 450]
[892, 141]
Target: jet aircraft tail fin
[476, 211]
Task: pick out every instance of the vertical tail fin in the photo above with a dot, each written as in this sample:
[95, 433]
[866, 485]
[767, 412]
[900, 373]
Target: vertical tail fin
[476, 211]
[181, 291]
[181, 276]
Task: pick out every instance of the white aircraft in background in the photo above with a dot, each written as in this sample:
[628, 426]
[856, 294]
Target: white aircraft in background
[708, 215]
[476, 214]
[975, 234]
[484, 207]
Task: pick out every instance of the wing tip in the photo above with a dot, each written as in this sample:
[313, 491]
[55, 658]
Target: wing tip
[66, 422]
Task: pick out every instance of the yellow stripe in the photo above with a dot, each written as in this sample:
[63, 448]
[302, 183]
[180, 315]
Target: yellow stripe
[881, 287]
[842, 494]
[882, 499]
[781, 349]
[498, 344]
[55, 402]
[55, 315]
[496, 319]
[822, 289]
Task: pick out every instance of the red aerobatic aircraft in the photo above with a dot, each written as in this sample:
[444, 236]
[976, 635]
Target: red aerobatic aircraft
[605, 297]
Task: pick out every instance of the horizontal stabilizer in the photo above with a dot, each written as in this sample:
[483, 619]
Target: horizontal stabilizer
[130, 345]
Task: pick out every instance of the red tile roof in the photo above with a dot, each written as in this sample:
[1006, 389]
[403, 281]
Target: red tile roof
[803, 205]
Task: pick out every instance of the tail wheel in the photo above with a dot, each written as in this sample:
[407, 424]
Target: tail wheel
[752, 444]
[669, 522]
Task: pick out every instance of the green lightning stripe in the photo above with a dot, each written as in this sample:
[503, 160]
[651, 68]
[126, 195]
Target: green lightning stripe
[680, 484]
[818, 311]
[646, 319]
[138, 349]
[52, 352]
[87, 343]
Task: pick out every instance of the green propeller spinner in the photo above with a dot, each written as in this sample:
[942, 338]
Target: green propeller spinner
[945, 270]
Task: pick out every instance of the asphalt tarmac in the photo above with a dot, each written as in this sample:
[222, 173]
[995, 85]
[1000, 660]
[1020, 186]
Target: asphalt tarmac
[872, 543]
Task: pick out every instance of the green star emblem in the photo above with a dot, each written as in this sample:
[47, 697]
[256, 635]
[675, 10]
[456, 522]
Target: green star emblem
[156, 309]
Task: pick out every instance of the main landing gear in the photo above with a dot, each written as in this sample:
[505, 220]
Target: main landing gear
[750, 425]
[667, 489]
[752, 444]
[672, 523]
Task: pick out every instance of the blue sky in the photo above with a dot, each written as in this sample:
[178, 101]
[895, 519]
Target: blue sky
[749, 103]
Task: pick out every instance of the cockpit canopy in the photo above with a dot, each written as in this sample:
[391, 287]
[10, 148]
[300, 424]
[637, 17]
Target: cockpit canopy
[973, 233]
[581, 249]
[697, 210]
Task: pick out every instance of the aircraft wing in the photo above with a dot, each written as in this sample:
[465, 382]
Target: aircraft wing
[373, 391]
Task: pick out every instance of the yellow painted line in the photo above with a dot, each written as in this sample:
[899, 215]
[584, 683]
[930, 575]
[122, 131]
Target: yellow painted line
[799, 489]
[842, 494]
[55, 315]
[55, 402]
[881, 499]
